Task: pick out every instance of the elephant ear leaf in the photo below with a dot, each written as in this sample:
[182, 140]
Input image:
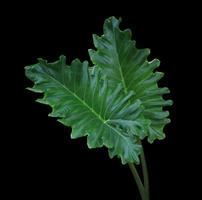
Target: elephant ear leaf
[121, 62]
[87, 104]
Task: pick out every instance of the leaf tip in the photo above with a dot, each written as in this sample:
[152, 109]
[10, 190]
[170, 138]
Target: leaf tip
[147, 51]
[42, 61]
[169, 102]
[158, 62]
[62, 59]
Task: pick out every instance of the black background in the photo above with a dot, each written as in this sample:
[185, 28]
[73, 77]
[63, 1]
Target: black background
[43, 161]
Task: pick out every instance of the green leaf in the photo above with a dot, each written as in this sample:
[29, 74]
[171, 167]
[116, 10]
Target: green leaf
[121, 62]
[92, 108]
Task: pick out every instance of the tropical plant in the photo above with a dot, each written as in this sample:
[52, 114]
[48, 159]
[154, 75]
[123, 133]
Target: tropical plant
[116, 102]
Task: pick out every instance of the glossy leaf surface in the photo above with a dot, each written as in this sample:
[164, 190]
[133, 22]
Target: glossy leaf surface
[123, 63]
[89, 106]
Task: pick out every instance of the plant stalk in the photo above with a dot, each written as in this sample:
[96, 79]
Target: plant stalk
[138, 182]
[145, 173]
[143, 188]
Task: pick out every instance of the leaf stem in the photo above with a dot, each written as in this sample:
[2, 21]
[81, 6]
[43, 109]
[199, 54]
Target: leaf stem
[143, 188]
[145, 173]
[138, 181]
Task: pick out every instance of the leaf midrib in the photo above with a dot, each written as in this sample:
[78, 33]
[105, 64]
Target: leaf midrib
[119, 65]
[85, 104]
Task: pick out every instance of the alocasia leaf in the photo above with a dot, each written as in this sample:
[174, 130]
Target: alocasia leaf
[123, 63]
[92, 108]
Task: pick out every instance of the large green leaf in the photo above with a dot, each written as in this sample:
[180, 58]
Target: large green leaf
[123, 63]
[90, 107]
